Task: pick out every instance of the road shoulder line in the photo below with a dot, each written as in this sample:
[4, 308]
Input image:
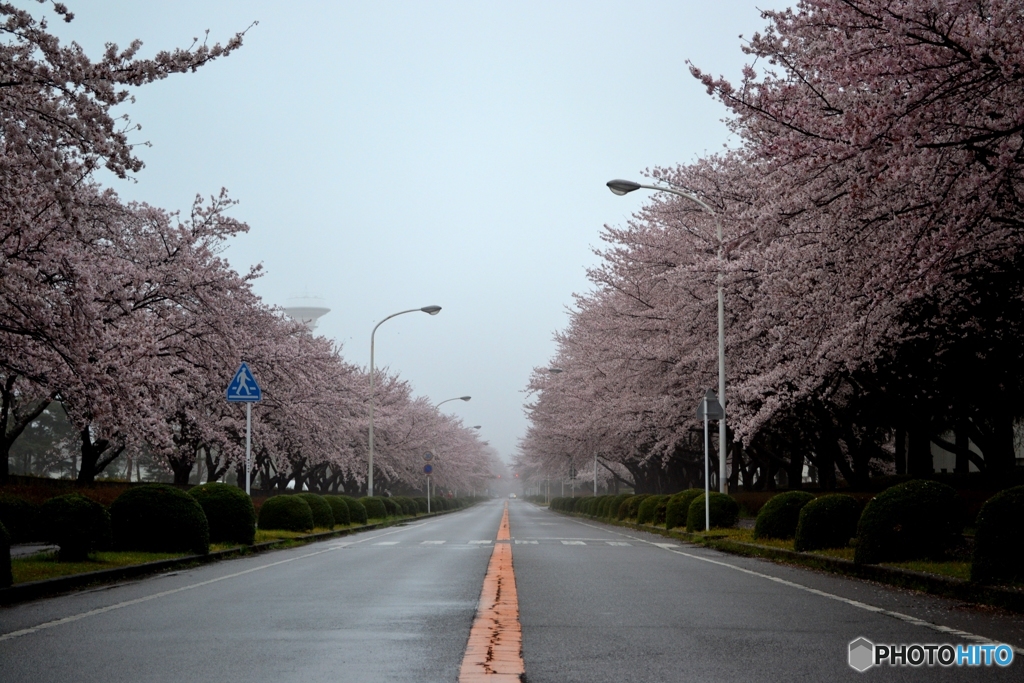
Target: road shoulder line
[676, 549]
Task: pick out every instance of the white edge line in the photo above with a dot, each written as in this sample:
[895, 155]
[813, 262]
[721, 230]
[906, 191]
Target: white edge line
[855, 603]
[128, 603]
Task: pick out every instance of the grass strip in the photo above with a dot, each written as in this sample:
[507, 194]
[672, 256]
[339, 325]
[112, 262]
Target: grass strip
[43, 566]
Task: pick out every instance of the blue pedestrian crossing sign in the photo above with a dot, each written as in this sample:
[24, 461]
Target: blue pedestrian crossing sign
[243, 387]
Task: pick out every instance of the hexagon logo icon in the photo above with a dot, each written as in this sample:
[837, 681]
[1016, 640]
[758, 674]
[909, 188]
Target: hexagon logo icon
[862, 654]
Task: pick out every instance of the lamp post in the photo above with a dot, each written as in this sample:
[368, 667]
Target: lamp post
[436, 406]
[430, 310]
[621, 187]
[457, 398]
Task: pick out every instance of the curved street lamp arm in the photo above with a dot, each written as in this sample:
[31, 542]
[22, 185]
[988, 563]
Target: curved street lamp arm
[432, 310]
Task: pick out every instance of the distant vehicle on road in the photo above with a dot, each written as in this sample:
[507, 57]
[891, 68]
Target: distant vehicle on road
[511, 495]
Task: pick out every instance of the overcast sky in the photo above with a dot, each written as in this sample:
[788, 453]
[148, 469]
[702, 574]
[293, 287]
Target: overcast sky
[393, 155]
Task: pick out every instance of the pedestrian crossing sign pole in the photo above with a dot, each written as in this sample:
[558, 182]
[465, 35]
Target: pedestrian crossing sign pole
[243, 389]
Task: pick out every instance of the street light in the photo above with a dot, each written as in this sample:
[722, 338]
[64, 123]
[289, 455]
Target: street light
[457, 398]
[430, 310]
[621, 187]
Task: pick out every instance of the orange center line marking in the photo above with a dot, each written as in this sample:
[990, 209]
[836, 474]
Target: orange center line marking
[494, 653]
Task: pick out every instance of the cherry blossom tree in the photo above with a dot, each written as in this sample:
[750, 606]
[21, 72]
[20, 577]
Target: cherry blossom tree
[872, 218]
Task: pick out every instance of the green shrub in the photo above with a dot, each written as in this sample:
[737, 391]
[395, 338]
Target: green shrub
[725, 512]
[20, 518]
[389, 505]
[406, 506]
[827, 522]
[779, 516]
[615, 503]
[6, 577]
[659, 512]
[229, 512]
[356, 510]
[645, 511]
[911, 521]
[323, 518]
[159, 518]
[374, 507]
[75, 523]
[679, 506]
[286, 513]
[633, 505]
[339, 508]
[421, 503]
[999, 539]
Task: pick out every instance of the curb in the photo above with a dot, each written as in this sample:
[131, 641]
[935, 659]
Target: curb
[32, 590]
[946, 586]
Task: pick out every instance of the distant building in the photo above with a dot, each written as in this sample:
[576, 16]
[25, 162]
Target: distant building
[306, 310]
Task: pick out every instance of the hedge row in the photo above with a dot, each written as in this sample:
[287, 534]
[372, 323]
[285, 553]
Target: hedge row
[914, 520]
[163, 518]
[659, 510]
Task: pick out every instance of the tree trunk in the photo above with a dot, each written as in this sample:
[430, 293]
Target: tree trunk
[796, 471]
[12, 424]
[919, 452]
[901, 450]
[96, 455]
[962, 443]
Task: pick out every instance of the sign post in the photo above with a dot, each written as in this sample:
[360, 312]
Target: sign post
[243, 389]
[708, 409]
[427, 469]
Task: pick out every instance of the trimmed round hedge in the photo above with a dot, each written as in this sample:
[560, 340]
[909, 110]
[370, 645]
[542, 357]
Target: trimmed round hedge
[356, 510]
[725, 512]
[390, 505]
[229, 512]
[827, 522]
[421, 503]
[374, 507]
[6, 577]
[159, 518]
[999, 539]
[286, 513]
[407, 506]
[339, 508]
[779, 516]
[323, 518]
[615, 503]
[20, 518]
[678, 507]
[77, 524]
[911, 521]
[645, 511]
[633, 505]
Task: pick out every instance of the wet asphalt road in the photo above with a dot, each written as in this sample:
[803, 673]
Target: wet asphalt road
[388, 605]
[603, 603]
[597, 603]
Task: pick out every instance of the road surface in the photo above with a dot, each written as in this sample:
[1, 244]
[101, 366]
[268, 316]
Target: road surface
[595, 603]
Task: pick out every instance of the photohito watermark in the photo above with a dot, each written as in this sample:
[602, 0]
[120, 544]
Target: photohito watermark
[864, 654]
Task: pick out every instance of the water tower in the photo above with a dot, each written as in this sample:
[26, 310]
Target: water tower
[306, 310]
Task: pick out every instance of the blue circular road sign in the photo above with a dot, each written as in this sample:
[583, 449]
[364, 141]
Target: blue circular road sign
[428, 469]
